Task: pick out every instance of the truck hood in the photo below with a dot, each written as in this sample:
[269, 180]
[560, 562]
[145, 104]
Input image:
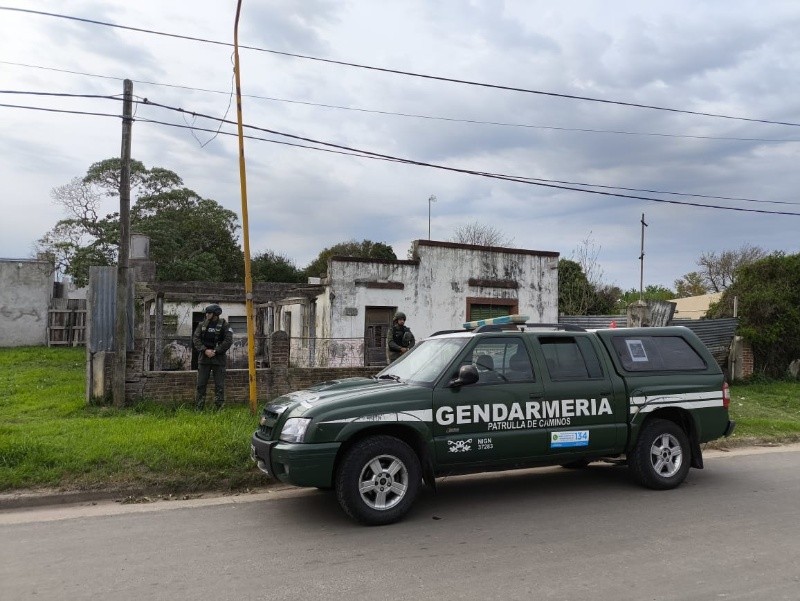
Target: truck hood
[345, 391]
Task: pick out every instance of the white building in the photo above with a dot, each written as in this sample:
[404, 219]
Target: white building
[441, 287]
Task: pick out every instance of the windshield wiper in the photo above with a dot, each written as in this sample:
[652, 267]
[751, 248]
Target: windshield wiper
[394, 377]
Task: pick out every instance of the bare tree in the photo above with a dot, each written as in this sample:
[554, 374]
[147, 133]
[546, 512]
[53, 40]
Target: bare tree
[719, 270]
[585, 255]
[480, 234]
[581, 289]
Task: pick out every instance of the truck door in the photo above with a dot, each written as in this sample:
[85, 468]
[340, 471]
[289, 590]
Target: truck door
[489, 422]
[582, 409]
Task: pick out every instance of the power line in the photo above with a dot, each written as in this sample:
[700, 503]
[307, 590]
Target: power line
[736, 198]
[346, 150]
[49, 110]
[528, 181]
[360, 154]
[416, 115]
[400, 72]
[60, 94]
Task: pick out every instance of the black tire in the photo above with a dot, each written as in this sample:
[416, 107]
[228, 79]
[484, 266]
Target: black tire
[378, 480]
[578, 464]
[662, 456]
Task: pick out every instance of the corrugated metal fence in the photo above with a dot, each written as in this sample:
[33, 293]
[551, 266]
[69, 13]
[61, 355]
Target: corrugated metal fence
[102, 307]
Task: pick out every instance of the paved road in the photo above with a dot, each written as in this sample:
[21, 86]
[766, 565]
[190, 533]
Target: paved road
[731, 532]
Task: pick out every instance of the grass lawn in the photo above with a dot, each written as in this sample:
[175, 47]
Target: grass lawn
[50, 437]
[766, 411]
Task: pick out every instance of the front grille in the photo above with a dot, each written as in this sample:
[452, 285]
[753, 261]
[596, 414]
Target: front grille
[270, 415]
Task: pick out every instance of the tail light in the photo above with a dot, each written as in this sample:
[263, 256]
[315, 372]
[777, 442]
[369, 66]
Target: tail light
[726, 395]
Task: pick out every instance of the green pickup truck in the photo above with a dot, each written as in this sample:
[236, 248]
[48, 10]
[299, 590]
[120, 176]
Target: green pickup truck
[498, 398]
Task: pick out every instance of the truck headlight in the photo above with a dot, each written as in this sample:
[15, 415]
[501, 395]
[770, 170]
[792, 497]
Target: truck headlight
[294, 430]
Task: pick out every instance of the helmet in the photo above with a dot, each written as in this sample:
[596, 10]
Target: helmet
[215, 309]
[399, 315]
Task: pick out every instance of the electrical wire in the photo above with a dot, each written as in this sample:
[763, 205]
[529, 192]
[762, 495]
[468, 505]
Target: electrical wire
[400, 72]
[651, 191]
[49, 110]
[416, 115]
[528, 181]
[60, 94]
[557, 184]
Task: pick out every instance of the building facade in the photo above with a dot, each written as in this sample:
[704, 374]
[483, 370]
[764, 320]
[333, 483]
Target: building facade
[442, 286]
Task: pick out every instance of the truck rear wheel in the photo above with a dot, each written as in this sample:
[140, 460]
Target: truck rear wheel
[378, 480]
[662, 456]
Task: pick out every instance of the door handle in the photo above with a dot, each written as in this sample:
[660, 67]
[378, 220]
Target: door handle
[535, 397]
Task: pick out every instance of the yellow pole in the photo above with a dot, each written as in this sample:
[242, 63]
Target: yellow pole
[248, 281]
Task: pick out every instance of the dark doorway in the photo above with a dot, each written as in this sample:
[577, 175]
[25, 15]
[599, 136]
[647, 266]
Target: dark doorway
[377, 321]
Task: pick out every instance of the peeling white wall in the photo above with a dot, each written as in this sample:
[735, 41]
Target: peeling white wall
[435, 291]
[26, 287]
[347, 294]
[323, 317]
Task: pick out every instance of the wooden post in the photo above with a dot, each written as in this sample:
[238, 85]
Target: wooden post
[121, 329]
[641, 264]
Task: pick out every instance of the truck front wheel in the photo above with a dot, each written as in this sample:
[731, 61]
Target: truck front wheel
[378, 480]
[662, 456]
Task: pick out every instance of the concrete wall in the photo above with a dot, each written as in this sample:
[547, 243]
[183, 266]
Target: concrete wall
[349, 283]
[26, 287]
[435, 288]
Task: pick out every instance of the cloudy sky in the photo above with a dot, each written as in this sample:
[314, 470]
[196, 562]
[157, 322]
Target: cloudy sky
[735, 58]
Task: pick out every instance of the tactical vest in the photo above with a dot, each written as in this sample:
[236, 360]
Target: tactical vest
[212, 334]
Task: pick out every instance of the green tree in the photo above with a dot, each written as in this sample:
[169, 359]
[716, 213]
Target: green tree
[605, 300]
[271, 266]
[768, 293]
[575, 294]
[105, 175]
[366, 249]
[691, 284]
[191, 238]
[653, 292]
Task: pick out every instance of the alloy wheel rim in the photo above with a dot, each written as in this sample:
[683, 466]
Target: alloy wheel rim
[666, 455]
[383, 482]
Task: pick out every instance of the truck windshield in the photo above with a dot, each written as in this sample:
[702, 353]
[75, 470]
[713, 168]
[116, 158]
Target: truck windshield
[424, 363]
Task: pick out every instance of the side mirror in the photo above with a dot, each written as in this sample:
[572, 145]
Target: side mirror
[467, 374]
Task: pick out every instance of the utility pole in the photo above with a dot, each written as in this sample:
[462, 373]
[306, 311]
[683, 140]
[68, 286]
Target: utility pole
[121, 330]
[248, 280]
[431, 198]
[641, 264]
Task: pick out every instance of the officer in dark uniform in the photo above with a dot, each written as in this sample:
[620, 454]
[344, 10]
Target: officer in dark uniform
[400, 338]
[212, 338]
